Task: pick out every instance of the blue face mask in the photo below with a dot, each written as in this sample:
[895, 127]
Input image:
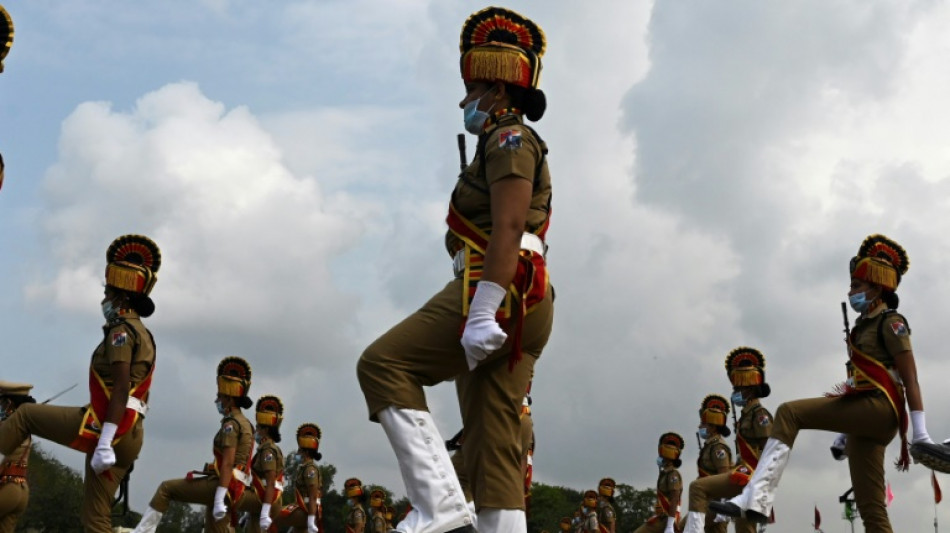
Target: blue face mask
[475, 118]
[108, 310]
[703, 433]
[738, 399]
[660, 461]
[221, 410]
[859, 302]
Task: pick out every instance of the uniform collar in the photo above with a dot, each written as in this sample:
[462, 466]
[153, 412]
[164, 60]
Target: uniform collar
[754, 402]
[877, 310]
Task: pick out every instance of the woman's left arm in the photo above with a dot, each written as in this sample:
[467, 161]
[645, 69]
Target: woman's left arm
[907, 369]
[510, 202]
[121, 385]
[270, 486]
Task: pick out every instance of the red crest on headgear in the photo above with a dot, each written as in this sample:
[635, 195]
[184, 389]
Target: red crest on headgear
[714, 410]
[745, 366]
[880, 260]
[498, 44]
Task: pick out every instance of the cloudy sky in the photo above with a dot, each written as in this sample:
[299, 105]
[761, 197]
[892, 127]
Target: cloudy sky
[715, 166]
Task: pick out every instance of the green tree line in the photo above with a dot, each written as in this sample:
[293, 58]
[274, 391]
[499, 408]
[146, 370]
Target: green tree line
[56, 495]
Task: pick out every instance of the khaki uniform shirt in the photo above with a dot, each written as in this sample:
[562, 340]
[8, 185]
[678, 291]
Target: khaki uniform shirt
[307, 476]
[893, 330]
[125, 337]
[356, 519]
[589, 523]
[715, 457]
[669, 483]
[755, 424]
[377, 521]
[268, 458]
[511, 150]
[236, 432]
[605, 512]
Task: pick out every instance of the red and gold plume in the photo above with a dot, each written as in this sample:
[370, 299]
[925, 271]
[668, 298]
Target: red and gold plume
[270, 411]
[498, 44]
[714, 410]
[671, 445]
[880, 260]
[745, 366]
[308, 436]
[132, 263]
[234, 377]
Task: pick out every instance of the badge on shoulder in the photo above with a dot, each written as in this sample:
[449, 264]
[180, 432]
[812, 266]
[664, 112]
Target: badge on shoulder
[509, 139]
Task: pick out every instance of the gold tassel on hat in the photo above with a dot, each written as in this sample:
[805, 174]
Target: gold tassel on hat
[497, 63]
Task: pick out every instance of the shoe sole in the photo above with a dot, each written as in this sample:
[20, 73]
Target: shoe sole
[931, 458]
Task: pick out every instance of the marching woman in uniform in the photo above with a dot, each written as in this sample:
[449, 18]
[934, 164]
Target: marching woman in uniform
[303, 515]
[746, 369]
[715, 457]
[356, 517]
[606, 515]
[221, 483]
[267, 467]
[108, 430]
[669, 486]
[500, 299]
[14, 491]
[869, 408]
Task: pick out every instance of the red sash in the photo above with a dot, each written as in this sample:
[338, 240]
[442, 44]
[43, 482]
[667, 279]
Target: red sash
[526, 290]
[260, 487]
[663, 509]
[867, 373]
[95, 414]
[748, 460]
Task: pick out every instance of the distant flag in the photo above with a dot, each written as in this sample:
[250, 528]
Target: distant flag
[890, 494]
[817, 523]
[933, 481]
[849, 511]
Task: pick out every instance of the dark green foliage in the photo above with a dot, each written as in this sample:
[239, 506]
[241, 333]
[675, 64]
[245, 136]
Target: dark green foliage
[56, 495]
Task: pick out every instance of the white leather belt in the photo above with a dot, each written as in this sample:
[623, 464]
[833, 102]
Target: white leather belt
[241, 476]
[136, 405]
[529, 241]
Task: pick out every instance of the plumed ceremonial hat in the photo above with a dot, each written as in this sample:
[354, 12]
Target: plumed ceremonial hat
[671, 445]
[132, 263]
[269, 411]
[498, 44]
[10, 388]
[308, 436]
[234, 377]
[714, 410]
[6, 34]
[880, 260]
[745, 366]
[353, 488]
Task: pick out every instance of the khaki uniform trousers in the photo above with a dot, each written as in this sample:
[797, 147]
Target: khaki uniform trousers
[715, 487]
[251, 503]
[424, 350]
[297, 519]
[657, 526]
[200, 491]
[61, 425]
[870, 423]
[458, 459]
[13, 500]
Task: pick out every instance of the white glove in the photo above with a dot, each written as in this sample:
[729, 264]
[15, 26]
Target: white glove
[919, 424]
[219, 510]
[312, 524]
[265, 517]
[838, 447]
[721, 519]
[670, 520]
[104, 456]
[482, 334]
